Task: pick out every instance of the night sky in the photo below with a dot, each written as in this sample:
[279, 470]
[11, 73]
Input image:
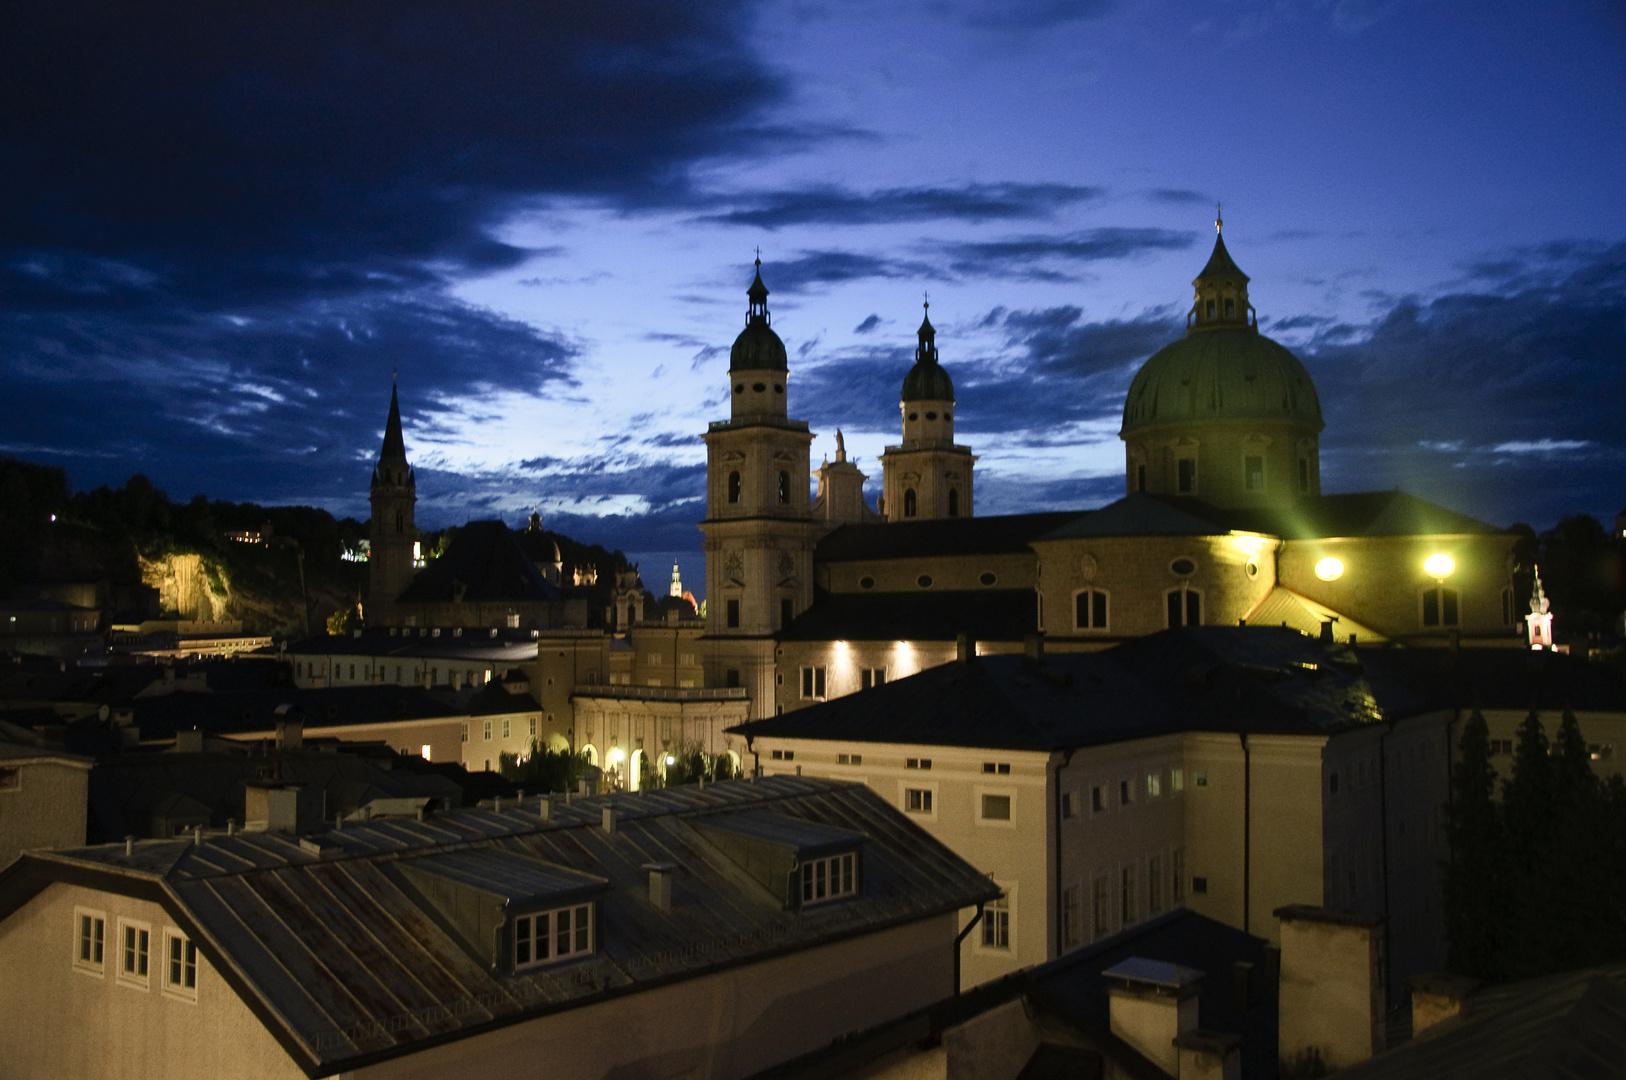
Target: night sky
[225, 225]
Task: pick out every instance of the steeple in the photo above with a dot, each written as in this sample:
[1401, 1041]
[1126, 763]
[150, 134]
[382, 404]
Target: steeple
[927, 381]
[758, 348]
[394, 450]
[394, 493]
[1222, 290]
[757, 311]
[926, 350]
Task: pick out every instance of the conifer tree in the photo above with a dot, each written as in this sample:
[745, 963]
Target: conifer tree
[1475, 902]
[1529, 817]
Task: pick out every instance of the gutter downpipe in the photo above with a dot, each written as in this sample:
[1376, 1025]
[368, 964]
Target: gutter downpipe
[958, 941]
[1247, 828]
[1061, 916]
[1383, 850]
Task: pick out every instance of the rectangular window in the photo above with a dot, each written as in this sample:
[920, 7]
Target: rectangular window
[11, 779]
[869, 678]
[1126, 793]
[1140, 478]
[1177, 863]
[426, 752]
[533, 727]
[733, 609]
[180, 965]
[829, 879]
[1200, 778]
[813, 683]
[551, 936]
[917, 763]
[1154, 785]
[463, 733]
[1098, 798]
[135, 943]
[506, 728]
[731, 678]
[1187, 476]
[787, 612]
[92, 940]
[1072, 916]
[996, 808]
[1199, 886]
[1194, 608]
[849, 759]
[1090, 610]
[996, 924]
[1230, 309]
[1069, 804]
[783, 755]
[1001, 768]
[1253, 472]
[1304, 476]
[1177, 780]
[1103, 907]
[1154, 885]
[917, 800]
[1126, 895]
[487, 729]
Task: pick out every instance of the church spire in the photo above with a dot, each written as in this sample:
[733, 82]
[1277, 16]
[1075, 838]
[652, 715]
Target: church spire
[394, 445]
[926, 350]
[1222, 289]
[758, 295]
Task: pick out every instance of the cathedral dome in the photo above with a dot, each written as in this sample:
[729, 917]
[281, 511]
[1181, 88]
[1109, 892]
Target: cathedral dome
[1221, 373]
[758, 348]
[927, 381]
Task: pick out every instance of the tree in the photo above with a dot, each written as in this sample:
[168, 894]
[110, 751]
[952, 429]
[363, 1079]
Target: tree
[1475, 906]
[543, 770]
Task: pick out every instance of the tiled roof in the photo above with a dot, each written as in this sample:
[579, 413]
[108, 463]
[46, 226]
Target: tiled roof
[1264, 680]
[926, 615]
[947, 536]
[330, 949]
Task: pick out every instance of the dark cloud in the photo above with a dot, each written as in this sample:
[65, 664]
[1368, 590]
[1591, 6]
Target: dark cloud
[1020, 16]
[814, 268]
[832, 205]
[1037, 256]
[1178, 196]
[867, 325]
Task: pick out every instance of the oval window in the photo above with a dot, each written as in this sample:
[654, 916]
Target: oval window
[759, 387]
[866, 582]
[931, 416]
[1183, 567]
[914, 416]
[1251, 568]
[778, 388]
[739, 388]
[924, 581]
[948, 416]
[988, 577]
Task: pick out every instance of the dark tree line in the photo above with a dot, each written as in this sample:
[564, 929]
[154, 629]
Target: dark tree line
[1536, 880]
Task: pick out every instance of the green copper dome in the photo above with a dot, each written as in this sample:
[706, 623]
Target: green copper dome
[758, 347]
[927, 381]
[1223, 373]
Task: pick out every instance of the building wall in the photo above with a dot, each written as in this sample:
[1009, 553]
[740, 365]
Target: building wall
[1605, 734]
[1019, 570]
[844, 663]
[732, 1024]
[1220, 448]
[63, 1022]
[443, 735]
[42, 805]
[654, 727]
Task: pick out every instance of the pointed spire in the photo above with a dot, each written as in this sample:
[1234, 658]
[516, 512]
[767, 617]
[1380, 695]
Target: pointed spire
[926, 351]
[1222, 288]
[758, 294]
[394, 445]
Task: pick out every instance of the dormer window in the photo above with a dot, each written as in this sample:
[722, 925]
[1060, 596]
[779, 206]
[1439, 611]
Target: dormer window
[828, 879]
[548, 937]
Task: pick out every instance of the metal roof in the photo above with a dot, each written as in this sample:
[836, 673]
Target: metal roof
[344, 968]
[804, 836]
[513, 877]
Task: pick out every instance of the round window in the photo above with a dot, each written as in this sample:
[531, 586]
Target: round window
[758, 387]
[988, 577]
[779, 388]
[1183, 567]
[931, 416]
[866, 582]
[914, 416]
[1251, 568]
[924, 581]
[948, 416]
[739, 388]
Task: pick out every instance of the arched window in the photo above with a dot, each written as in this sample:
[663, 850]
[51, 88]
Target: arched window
[909, 506]
[954, 502]
[1440, 607]
[1090, 610]
[784, 487]
[400, 523]
[733, 487]
[1185, 607]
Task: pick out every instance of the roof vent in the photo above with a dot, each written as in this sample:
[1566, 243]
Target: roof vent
[607, 818]
[457, 631]
[435, 632]
[660, 884]
[493, 632]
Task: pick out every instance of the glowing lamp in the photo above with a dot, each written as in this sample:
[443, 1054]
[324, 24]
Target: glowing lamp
[1329, 569]
[616, 756]
[670, 760]
[1439, 566]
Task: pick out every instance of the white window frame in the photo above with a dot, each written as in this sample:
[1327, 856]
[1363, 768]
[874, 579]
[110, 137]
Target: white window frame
[997, 934]
[979, 793]
[930, 792]
[96, 963]
[579, 933]
[1246, 454]
[179, 989]
[1185, 606]
[815, 682]
[1092, 629]
[870, 678]
[507, 727]
[138, 953]
[486, 729]
[829, 878]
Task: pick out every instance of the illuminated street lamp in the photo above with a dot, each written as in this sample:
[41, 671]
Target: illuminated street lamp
[1329, 569]
[1439, 566]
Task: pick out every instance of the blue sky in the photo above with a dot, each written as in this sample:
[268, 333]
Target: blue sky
[224, 227]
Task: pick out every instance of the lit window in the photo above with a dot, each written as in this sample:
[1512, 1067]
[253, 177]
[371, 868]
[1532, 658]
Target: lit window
[1177, 780]
[135, 943]
[829, 879]
[996, 924]
[1154, 785]
[813, 683]
[1253, 472]
[180, 965]
[92, 940]
[917, 800]
[551, 936]
[426, 752]
[996, 808]
[1090, 610]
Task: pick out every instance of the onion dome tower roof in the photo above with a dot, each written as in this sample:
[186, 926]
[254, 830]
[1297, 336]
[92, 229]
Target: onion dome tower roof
[758, 348]
[927, 381]
[1223, 369]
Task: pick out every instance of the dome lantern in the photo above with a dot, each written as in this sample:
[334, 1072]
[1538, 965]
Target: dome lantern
[927, 381]
[758, 348]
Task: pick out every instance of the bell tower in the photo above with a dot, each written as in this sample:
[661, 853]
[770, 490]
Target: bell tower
[928, 476]
[394, 493]
[758, 525]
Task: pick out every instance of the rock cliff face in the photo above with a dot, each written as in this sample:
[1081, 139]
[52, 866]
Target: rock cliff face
[191, 586]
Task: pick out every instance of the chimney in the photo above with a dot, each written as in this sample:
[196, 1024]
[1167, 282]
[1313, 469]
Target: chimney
[1326, 631]
[660, 884]
[1332, 988]
[1209, 1055]
[965, 648]
[544, 808]
[290, 727]
[1436, 997]
[1033, 647]
[607, 819]
[270, 808]
[1152, 1003]
[189, 742]
[587, 785]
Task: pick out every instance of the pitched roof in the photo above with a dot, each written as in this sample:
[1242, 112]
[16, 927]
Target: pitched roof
[948, 536]
[1143, 515]
[1264, 680]
[1361, 514]
[486, 563]
[344, 965]
[926, 615]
